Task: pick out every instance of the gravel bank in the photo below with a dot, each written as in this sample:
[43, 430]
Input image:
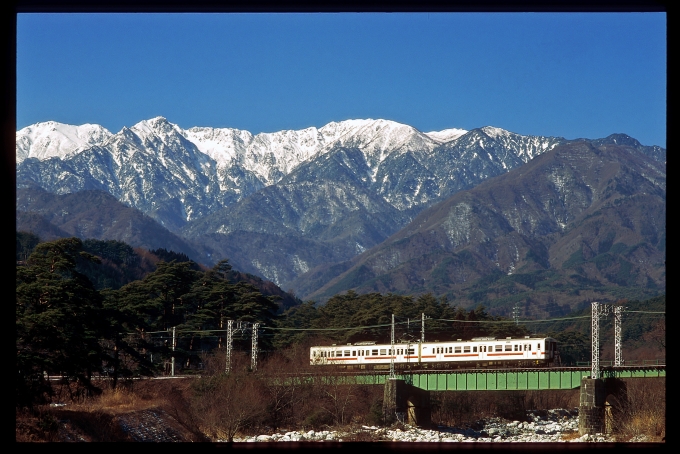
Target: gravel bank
[541, 427]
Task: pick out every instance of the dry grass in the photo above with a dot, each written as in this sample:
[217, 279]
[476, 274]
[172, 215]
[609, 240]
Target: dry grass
[644, 414]
[95, 418]
[570, 436]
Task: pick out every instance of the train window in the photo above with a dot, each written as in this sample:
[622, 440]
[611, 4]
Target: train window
[466, 349]
[508, 347]
[411, 351]
[474, 349]
[374, 352]
[526, 347]
[354, 353]
[516, 348]
[346, 352]
[383, 351]
[538, 347]
[456, 350]
[499, 348]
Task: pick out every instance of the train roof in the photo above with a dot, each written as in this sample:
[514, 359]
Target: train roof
[474, 339]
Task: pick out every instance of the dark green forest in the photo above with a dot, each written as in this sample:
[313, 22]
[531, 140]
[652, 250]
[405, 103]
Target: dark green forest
[90, 308]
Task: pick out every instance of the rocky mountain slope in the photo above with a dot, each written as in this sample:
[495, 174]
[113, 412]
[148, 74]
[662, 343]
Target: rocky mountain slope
[582, 213]
[294, 207]
[97, 215]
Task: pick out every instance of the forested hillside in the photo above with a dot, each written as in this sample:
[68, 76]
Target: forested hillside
[124, 325]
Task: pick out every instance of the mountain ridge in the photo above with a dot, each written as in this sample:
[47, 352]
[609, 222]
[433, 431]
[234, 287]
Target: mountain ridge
[338, 190]
[597, 212]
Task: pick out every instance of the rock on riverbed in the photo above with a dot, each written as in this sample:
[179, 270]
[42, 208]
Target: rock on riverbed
[541, 426]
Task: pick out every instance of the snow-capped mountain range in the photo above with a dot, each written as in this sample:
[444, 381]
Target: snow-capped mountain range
[204, 168]
[269, 156]
[276, 204]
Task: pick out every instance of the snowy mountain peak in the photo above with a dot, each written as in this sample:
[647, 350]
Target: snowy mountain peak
[446, 135]
[494, 132]
[52, 139]
[154, 126]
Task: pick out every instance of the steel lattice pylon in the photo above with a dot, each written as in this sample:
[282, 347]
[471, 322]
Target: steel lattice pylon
[618, 360]
[598, 310]
[230, 339]
[242, 326]
[253, 350]
[595, 341]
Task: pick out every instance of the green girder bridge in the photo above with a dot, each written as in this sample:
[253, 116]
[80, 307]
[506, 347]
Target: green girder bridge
[497, 379]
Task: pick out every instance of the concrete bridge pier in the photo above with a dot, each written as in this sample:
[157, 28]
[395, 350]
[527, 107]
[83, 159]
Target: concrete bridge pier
[600, 403]
[406, 403]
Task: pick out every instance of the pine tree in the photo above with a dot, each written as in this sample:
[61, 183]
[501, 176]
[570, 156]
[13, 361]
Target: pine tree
[59, 320]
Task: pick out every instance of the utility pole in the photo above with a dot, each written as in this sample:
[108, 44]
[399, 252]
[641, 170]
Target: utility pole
[392, 375]
[422, 329]
[173, 352]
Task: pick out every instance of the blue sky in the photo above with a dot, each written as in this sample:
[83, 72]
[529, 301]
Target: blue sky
[555, 74]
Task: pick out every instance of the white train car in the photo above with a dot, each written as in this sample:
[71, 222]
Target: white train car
[479, 352]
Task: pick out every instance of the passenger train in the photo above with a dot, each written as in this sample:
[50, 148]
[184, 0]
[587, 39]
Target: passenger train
[480, 352]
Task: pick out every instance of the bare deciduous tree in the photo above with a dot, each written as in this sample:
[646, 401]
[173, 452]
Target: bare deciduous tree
[225, 403]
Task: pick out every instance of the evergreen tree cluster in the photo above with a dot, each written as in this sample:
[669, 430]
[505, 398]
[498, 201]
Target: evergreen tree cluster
[68, 328]
[351, 317]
